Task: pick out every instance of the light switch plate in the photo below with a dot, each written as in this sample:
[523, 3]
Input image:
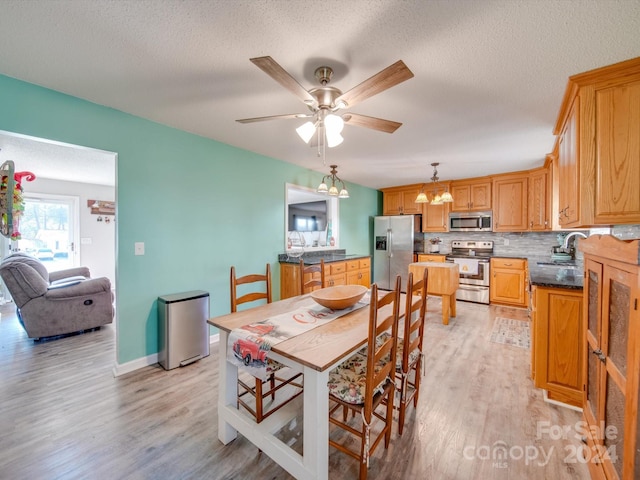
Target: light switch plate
[139, 248]
[506, 241]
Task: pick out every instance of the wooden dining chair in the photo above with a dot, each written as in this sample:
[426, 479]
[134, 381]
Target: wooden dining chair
[409, 354]
[260, 285]
[316, 279]
[365, 385]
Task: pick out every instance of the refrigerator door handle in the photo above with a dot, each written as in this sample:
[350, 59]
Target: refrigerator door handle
[389, 245]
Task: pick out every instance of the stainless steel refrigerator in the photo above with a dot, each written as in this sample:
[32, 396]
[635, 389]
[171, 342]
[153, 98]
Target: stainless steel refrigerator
[393, 248]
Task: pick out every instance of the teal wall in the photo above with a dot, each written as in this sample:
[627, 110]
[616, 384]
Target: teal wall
[197, 204]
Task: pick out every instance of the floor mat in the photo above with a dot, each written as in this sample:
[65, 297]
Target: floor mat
[511, 332]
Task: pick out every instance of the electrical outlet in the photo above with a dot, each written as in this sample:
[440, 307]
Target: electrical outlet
[506, 241]
[139, 248]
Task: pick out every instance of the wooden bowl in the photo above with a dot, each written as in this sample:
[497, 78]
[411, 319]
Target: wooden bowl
[339, 297]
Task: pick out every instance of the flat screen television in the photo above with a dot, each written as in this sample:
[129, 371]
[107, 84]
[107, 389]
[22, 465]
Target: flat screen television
[308, 216]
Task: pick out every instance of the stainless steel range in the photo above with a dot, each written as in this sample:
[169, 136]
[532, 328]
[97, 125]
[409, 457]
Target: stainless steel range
[473, 261]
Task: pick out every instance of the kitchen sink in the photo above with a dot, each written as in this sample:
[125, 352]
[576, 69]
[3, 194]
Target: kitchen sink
[566, 265]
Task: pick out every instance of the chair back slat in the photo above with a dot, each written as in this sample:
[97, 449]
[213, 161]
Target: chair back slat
[314, 282]
[261, 293]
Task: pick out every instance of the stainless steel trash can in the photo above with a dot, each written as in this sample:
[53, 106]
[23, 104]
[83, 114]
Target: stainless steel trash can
[183, 331]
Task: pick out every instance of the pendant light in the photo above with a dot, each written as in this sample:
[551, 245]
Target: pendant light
[438, 198]
[333, 190]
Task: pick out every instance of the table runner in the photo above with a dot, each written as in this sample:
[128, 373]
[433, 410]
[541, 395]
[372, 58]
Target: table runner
[248, 346]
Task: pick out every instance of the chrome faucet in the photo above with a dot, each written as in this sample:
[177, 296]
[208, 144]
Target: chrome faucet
[571, 235]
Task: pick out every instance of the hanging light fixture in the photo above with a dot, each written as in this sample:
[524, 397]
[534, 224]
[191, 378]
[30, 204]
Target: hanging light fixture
[438, 198]
[333, 190]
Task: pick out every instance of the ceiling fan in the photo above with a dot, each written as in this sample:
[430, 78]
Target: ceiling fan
[326, 102]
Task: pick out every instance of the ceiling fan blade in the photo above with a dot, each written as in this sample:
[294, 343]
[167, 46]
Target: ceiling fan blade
[381, 124]
[269, 66]
[275, 117]
[381, 81]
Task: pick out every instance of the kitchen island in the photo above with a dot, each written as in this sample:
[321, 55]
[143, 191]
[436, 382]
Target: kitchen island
[443, 281]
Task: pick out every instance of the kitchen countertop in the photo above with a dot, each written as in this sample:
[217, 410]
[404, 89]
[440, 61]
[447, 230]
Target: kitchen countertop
[544, 275]
[329, 256]
[555, 275]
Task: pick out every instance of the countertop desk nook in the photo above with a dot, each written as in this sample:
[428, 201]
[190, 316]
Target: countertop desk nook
[315, 353]
[443, 281]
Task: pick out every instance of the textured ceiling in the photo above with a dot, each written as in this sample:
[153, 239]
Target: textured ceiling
[489, 75]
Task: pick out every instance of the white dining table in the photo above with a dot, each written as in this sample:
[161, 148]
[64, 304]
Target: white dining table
[315, 353]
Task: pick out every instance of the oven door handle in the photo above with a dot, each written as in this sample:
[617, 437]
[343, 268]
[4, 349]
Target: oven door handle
[472, 288]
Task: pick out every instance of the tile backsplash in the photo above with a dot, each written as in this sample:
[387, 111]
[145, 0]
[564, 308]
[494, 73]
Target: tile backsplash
[525, 243]
[626, 232]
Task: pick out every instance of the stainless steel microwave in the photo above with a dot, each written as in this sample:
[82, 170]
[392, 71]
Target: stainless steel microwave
[471, 221]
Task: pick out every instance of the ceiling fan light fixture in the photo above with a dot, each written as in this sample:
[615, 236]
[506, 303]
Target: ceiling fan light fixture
[326, 100]
[306, 131]
[333, 126]
[334, 123]
[340, 104]
[333, 139]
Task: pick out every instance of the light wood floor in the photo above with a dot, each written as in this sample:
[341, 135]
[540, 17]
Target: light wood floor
[63, 415]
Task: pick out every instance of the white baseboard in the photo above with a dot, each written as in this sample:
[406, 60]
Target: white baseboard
[560, 404]
[122, 368]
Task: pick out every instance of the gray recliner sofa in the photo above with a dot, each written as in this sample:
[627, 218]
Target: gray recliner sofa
[56, 303]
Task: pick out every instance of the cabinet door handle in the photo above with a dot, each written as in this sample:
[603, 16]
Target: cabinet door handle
[507, 264]
[598, 353]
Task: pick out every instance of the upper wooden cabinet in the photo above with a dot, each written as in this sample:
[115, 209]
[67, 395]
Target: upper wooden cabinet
[522, 201]
[539, 203]
[510, 198]
[470, 195]
[598, 147]
[401, 200]
[435, 218]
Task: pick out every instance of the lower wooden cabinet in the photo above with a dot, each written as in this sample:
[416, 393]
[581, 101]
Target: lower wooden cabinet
[557, 352]
[351, 272]
[611, 357]
[508, 285]
[359, 272]
[430, 257]
[335, 274]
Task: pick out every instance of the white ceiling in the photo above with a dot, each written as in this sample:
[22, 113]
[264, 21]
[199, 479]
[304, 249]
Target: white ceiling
[489, 75]
[58, 161]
